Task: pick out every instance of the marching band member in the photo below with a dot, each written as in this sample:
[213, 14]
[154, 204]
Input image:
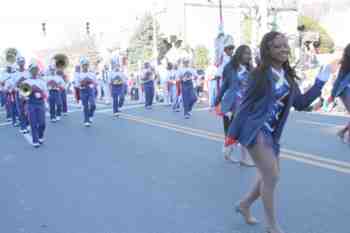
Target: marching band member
[3, 78]
[147, 78]
[171, 83]
[178, 99]
[63, 91]
[235, 83]
[10, 93]
[55, 84]
[341, 89]
[117, 80]
[87, 81]
[186, 75]
[224, 51]
[76, 84]
[21, 75]
[36, 104]
[163, 72]
[105, 84]
[261, 118]
[2, 97]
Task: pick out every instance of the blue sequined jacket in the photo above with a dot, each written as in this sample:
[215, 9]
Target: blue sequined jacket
[340, 84]
[258, 102]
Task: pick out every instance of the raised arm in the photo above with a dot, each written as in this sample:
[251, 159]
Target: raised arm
[302, 101]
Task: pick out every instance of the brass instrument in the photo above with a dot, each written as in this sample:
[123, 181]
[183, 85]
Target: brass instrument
[25, 89]
[61, 61]
[11, 55]
[117, 81]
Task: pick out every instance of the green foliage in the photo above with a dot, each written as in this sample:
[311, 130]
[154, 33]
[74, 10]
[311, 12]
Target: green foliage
[247, 25]
[141, 42]
[201, 57]
[327, 43]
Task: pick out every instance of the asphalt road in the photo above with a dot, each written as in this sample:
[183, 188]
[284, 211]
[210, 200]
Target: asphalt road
[155, 172]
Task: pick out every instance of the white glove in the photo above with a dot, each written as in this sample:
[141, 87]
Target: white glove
[228, 114]
[325, 73]
[37, 95]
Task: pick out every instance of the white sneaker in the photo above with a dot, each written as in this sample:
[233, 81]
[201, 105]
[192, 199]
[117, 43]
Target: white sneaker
[58, 118]
[36, 144]
[116, 114]
[41, 140]
[53, 120]
[228, 154]
[87, 124]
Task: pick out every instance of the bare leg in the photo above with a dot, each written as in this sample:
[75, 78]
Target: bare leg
[341, 133]
[244, 205]
[253, 195]
[348, 131]
[346, 101]
[268, 168]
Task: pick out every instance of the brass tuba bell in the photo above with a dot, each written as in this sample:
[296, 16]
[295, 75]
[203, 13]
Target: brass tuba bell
[25, 89]
[61, 61]
[11, 55]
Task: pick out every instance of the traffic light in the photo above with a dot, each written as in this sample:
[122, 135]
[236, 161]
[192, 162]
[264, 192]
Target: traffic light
[88, 28]
[43, 27]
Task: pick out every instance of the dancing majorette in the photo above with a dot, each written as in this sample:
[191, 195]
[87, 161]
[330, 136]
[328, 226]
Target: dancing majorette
[341, 89]
[233, 89]
[260, 120]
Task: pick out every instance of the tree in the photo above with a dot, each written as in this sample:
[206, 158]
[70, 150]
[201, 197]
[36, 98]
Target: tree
[201, 57]
[247, 25]
[327, 43]
[141, 42]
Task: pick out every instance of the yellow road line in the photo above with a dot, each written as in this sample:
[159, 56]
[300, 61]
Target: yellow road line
[318, 123]
[314, 160]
